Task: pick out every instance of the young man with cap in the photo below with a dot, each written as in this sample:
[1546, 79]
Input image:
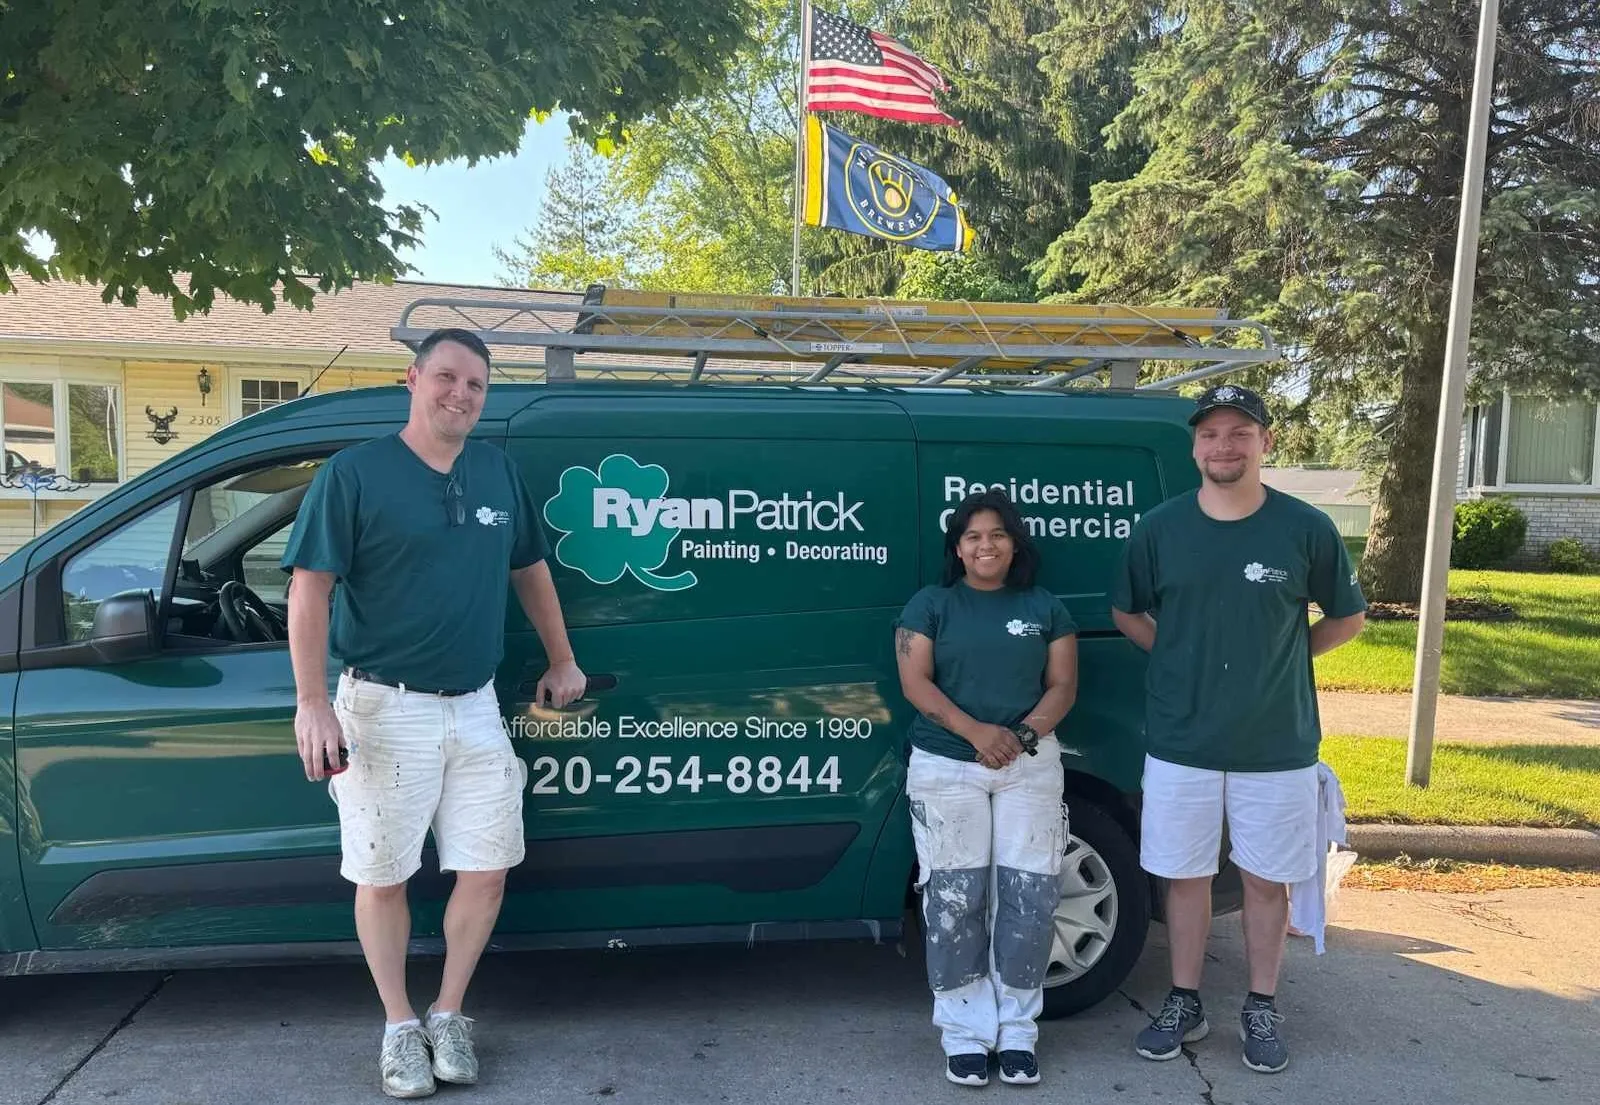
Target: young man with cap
[423, 531]
[1215, 585]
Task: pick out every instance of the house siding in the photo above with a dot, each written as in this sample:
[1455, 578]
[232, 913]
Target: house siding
[160, 387]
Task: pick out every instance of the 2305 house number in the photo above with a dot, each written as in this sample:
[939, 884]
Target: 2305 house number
[206, 420]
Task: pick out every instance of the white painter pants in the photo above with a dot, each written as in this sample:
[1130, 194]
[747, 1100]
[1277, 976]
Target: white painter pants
[989, 850]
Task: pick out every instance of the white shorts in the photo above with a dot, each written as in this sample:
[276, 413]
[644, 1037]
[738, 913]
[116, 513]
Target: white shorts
[1272, 821]
[421, 761]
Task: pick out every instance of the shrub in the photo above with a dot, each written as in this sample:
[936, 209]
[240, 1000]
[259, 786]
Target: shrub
[1488, 532]
[1568, 555]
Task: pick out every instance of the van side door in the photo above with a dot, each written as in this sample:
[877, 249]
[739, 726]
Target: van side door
[734, 562]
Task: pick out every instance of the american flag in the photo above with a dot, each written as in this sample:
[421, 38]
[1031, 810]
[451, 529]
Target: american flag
[851, 68]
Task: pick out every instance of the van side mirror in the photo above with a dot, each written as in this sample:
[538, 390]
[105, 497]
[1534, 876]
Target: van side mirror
[125, 627]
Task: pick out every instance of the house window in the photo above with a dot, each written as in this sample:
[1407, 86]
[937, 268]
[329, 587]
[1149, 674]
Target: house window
[258, 395]
[1550, 442]
[61, 428]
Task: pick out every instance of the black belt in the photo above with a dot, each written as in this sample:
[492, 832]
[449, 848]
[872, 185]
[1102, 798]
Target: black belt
[368, 677]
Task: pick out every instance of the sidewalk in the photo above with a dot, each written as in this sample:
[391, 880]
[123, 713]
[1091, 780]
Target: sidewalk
[1465, 720]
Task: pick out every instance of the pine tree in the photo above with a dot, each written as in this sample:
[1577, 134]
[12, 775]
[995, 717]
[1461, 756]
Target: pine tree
[1305, 167]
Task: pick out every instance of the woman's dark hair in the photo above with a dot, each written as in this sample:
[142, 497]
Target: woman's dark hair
[1024, 553]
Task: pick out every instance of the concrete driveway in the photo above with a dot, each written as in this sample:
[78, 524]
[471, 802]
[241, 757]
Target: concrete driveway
[1421, 998]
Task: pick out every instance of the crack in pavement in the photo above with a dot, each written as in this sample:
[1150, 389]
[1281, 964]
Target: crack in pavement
[1188, 1053]
[1194, 1061]
[126, 1020]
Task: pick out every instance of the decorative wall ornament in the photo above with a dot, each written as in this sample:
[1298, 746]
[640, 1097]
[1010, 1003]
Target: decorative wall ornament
[163, 431]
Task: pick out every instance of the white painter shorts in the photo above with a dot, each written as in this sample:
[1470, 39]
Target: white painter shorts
[421, 761]
[1271, 815]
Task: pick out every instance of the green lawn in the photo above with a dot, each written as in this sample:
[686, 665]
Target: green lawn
[1552, 650]
[1518, 784]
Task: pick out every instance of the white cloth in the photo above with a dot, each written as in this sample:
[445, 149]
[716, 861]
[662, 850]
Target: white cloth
[1271, 819]
[989, 850]
[1308, 899]
[420, 761]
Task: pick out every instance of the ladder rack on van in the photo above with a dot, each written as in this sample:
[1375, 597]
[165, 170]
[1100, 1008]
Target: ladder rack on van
[692, 338]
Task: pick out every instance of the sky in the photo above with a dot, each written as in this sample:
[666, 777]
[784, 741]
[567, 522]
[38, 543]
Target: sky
[474, 209]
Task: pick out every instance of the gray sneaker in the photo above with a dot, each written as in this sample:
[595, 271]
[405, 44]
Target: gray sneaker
[404, 1063]
[453, 1058]
[1264, 1049]
[1179, 1022]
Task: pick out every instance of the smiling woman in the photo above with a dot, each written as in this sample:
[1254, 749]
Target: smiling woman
[989, 660]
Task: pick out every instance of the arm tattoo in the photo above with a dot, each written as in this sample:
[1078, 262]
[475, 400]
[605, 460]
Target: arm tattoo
[936, 717]
[902, 641]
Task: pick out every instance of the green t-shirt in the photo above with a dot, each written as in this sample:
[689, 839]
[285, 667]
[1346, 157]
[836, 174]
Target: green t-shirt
[419, 600]
[989, 653]
[1229, 686]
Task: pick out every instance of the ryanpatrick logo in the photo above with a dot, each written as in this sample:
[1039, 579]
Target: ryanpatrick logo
[631, 494]
[1256, 572]
[617, 519]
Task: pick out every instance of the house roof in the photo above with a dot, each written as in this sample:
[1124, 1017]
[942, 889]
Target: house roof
[1329, 486]
[359, 316]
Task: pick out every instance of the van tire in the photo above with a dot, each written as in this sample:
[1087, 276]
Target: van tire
[1099, 847]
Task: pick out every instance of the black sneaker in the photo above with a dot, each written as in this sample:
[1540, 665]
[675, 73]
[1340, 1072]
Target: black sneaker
[1180, 1022]
[1264, 1049]
[1019, 1068]
[968, 1070]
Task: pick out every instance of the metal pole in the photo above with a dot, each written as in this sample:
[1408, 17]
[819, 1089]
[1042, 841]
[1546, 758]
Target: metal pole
[1447, 449]
[800, 146]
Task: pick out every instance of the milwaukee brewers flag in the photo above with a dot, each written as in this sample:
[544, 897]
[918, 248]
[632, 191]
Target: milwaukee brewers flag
[852, 185]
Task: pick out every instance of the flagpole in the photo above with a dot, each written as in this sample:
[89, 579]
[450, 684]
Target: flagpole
[800, 145]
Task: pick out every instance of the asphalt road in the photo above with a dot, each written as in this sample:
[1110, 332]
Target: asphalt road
[1421, 998]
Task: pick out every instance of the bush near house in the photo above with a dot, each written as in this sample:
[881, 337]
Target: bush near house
[1569, 555]
[1488, 533]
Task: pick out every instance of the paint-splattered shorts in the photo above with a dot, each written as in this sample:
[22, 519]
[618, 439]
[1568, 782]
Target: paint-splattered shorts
[421, 761]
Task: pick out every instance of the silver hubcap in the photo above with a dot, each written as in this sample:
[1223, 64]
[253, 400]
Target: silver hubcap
[1086, 917]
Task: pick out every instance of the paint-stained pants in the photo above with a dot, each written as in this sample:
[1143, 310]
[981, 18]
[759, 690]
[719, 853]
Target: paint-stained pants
[989, 848]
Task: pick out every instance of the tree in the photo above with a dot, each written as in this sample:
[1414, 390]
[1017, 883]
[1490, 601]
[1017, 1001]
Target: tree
[706, 183]
[1305, 168]
[232, 140]
[580, 235]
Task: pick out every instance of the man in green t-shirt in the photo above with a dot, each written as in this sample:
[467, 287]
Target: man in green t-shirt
[1215, 584]
[422, 531]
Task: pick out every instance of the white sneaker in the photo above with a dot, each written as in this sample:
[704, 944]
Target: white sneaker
[453, 1058]
[404, 1063]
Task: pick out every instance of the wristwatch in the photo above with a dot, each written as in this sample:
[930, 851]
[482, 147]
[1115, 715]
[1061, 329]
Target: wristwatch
[1027, 738]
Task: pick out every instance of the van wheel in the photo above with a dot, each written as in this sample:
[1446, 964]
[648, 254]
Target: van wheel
[1100, 924]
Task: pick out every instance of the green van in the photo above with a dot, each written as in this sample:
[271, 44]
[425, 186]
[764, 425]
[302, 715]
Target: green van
[730, 557]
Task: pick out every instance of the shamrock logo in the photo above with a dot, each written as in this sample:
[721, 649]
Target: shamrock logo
[605, 552]
[1016, 627]
[1255, 571]
[485, 516]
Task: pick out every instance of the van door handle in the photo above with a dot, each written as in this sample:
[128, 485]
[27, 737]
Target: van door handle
[603, 681]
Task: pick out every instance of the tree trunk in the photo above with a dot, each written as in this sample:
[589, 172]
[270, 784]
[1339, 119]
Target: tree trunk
[1391, 566]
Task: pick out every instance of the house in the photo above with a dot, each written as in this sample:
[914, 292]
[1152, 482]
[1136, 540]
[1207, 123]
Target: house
[1543, 456]
[92, 394]
[1337, 492]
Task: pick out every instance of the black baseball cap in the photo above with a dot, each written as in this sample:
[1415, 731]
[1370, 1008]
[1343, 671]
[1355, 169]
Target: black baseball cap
[1243, 400]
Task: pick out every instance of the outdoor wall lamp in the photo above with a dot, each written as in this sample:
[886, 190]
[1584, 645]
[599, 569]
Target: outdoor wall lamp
[203, 381]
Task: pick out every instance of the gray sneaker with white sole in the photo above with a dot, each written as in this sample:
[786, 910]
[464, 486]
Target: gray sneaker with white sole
[1264, 1049]
[1179, 1022]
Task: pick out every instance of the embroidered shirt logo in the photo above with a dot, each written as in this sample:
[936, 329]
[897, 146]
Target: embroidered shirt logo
[1019, 628]
[1256, 572]
[487, 516]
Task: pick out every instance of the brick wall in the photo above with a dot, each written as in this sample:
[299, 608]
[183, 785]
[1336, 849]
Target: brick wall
[1552, 516]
